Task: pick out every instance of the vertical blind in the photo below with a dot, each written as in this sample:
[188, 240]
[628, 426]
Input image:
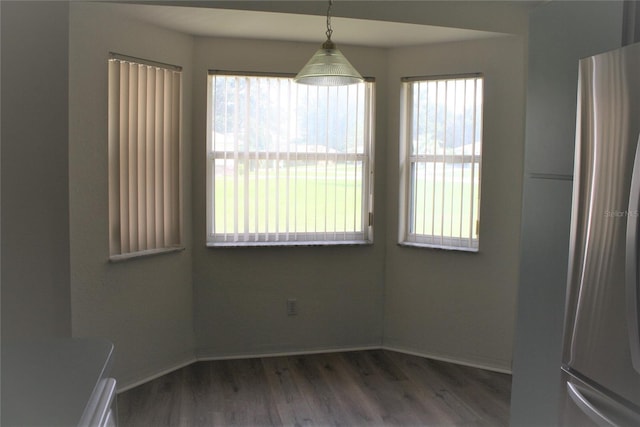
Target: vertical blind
[443, 146]
[287, 163]
[144, 156]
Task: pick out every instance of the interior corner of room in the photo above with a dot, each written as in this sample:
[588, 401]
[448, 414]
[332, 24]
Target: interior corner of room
[500, 309]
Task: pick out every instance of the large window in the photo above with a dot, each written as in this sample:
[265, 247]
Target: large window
[144, 157]
[440, 158]
[288, 163]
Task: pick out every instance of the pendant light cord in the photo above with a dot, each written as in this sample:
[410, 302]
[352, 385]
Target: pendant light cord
[329, 29]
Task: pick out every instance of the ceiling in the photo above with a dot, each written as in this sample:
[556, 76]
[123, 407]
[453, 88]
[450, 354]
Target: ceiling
[246, 24]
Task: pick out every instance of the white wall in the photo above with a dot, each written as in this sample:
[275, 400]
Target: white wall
[241, 293]
[456, 306]
[448, 304]
[144, 306]
[35, 213]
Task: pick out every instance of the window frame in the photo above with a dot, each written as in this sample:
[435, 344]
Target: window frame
[406, 212]
[365, 237]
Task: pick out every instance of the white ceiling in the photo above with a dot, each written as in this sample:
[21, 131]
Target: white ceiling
[208, 22]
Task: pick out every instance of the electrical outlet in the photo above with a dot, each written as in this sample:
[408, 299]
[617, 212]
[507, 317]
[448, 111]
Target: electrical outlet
[292, 307]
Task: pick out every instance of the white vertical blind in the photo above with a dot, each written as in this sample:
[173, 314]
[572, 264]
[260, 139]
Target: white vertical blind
[144, 156]
[442, 159]
[287, 163]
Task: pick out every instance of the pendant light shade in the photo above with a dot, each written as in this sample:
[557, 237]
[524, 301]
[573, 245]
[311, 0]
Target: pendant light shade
[328, 66]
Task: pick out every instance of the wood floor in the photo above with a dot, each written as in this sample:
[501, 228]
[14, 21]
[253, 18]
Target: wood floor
[362, 388]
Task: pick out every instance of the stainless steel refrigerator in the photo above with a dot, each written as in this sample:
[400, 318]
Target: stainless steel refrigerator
[601, 356]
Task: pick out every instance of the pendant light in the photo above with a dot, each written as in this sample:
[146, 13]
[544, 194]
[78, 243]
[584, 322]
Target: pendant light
[328, 66]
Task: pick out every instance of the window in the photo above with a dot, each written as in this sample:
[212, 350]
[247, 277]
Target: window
[287, 163]
[144, 157]
[440, 162]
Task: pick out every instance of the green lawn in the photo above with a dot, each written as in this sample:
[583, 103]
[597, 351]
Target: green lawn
[327, 198]
[290, 199]
[452, 205]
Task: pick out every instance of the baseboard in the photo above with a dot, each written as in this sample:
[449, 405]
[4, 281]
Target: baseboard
[472, 363]
[203, 356]
[128, 385]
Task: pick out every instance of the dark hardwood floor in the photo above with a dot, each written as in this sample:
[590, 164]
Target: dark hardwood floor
[361, 388]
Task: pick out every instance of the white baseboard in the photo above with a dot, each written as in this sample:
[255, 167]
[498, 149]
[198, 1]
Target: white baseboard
[472, 363]
[203, 356]
[128, 385]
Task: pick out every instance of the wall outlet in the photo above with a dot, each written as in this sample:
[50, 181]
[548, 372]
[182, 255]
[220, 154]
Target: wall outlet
[292, 307]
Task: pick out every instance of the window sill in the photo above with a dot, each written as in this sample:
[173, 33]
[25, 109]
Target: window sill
[214, 245]
[438, 247]
[144, 254]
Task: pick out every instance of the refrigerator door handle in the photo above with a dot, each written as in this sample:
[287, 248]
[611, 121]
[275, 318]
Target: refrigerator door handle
[587, 407]
[631, 262]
